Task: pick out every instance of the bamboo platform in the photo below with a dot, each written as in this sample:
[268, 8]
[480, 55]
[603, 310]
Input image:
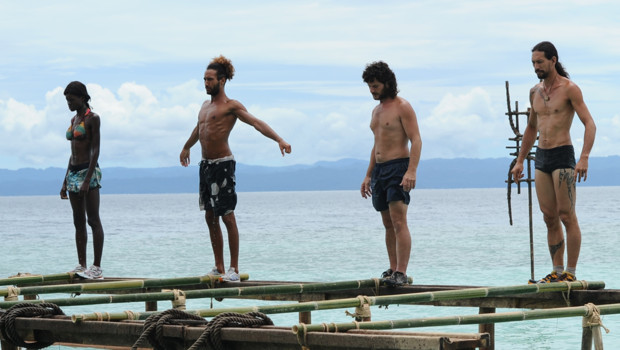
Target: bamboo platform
[121, 330]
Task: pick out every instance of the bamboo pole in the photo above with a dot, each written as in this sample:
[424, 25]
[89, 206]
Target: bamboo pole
[207, 293]
[459, 320]
[117, 285]
[411, 298]
[29, 279]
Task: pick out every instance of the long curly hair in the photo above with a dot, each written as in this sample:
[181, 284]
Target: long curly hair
[549, 50]
[380, 71]
[223, 66]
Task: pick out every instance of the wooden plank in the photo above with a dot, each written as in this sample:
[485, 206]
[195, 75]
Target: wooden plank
[124, 334]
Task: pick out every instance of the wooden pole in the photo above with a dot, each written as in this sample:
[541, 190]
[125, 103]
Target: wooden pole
[586, 338]
[488, 328]
[305, 317]
[150, 306]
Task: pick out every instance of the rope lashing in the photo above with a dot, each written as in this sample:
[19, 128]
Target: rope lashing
[593, 317]
[377, 285]
[8, 329]
[566, 295]
[12, 293]
[179, 298]
[302, 336]
[362, 311]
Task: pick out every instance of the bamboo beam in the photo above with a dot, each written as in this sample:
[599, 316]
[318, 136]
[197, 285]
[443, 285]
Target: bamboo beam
[22, 279]
[412, 298]
[207, 293]
[459, 320]
[117, 285]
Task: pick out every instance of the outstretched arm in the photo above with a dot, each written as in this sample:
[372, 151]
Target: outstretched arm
[242, 113]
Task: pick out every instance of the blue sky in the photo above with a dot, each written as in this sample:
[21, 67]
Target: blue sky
[298, 67]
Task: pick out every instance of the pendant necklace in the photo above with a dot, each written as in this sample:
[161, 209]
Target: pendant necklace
[546, 97]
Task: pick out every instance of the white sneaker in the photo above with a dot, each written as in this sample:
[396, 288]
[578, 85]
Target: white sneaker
[231, 276]
[215, 272]
[93, 273]
[77, 269]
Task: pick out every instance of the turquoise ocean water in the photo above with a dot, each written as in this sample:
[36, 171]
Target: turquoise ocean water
[460, 237]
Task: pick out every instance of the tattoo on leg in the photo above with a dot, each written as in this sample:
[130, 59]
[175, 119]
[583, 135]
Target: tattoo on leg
[553, 248]
[568, 176]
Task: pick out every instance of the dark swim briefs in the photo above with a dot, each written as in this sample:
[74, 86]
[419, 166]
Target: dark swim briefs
[548, 160]
[385, 183]
[217, 185]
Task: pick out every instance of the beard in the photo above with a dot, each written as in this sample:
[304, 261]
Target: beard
[214, 91]
[541, 74]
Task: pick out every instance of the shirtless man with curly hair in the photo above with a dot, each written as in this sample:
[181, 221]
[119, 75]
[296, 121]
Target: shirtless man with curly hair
[218, 198]
[394, 159]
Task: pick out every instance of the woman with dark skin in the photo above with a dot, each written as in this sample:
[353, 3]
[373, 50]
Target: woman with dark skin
[83, 177]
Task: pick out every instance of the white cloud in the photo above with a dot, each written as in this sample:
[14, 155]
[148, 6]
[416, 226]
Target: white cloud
[451, 60]
[461, 126]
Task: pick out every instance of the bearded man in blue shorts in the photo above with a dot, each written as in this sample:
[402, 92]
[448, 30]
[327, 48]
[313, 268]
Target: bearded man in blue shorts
[554, 102]
[393, 165]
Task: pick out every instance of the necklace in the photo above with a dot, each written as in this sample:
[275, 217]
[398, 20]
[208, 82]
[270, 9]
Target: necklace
[547, 93]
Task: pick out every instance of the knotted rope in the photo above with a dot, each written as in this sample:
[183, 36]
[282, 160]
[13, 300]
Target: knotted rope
[178, 302]
[12, 293]
[362, 311]
[8, 318]
[593, 317]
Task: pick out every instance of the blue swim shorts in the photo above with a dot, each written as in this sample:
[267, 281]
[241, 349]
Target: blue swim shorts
[385, 183]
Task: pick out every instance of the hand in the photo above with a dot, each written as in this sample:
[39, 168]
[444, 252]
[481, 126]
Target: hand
[582, 169]
[184, 157]
[365, 189]
[85, 188]
[408, 181]
[63, 192]
[284, 147]
[517, 172]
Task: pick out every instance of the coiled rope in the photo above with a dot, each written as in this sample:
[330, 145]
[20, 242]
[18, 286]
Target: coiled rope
[211, 338]
[153, 328]
[8, 318]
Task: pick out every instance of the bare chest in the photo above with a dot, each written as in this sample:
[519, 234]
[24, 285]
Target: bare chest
[385, 120]
[214, 118]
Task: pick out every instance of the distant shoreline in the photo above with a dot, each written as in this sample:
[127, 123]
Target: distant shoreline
[344, 174]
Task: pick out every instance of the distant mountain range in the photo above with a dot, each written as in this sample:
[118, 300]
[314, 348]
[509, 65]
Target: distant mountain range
[345, 174]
